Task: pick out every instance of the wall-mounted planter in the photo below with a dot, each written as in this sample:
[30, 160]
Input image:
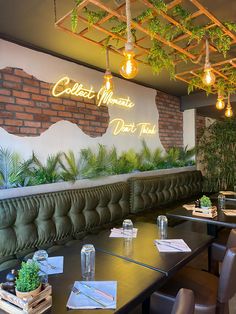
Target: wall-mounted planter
[85, 183]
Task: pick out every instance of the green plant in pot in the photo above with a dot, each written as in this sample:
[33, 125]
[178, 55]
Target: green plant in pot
[205, 202]
[28, 281]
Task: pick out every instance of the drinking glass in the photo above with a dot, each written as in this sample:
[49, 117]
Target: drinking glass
[162, 223]
[88, 262]
[221, 201]
[127, 229]
[41, 257]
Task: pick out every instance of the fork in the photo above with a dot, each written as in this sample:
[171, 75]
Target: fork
[77, 291]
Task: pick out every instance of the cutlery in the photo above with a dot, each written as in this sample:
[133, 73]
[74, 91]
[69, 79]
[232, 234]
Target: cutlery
[47, 264]
[103, 293]
[78, 291]
[169, 245]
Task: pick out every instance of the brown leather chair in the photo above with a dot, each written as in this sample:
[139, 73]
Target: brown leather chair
[219, 247]
[184, 303]
[211, 293]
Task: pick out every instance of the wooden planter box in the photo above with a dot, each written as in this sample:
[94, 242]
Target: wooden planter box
[14, 305]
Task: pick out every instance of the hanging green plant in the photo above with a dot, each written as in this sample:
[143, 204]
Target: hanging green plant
[159, 5]
[198, 32]
[94, 17]
[230, 25]
[121, 29]
[182, 15]
[221, 41]
[144, 16]
[159, 59]
[74, 16]
[196, 83]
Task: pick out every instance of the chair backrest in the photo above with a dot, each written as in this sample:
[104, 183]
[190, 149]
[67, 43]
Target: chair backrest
[184, 303]
[231, 242]
[227, 286]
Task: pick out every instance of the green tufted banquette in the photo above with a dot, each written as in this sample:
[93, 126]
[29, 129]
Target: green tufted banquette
[53, 219]
[149, 192]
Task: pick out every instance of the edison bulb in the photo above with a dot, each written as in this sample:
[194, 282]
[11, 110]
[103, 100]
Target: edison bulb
[129, 67]
[229, 112]
[107, 83]
[208, 77]
[220, 104]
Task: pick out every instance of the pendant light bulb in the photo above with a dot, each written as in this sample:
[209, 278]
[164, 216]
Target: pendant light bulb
[229, 112]
[108, 83]
[208, 77]
[220, 104]
[129, 67]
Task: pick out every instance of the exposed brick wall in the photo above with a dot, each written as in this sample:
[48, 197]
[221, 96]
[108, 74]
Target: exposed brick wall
[200, 124]
[28, 109]
[170, 120]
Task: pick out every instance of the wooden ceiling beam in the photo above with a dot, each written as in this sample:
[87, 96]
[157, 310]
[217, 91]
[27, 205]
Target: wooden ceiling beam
[213, 18]
[64, 17]
[138, 26]
[213, 65]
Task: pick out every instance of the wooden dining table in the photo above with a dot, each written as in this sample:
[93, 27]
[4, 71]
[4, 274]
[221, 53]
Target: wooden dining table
[136, 265]
[143, 251]
[213, 224]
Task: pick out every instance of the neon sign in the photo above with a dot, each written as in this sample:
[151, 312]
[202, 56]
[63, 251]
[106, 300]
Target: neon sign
[120, 126]
[103, 97]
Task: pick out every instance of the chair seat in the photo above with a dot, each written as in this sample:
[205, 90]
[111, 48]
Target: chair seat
[218, 247]
[203, 284]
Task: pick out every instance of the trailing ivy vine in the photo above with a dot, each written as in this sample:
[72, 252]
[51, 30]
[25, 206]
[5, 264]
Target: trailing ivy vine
[163, 57]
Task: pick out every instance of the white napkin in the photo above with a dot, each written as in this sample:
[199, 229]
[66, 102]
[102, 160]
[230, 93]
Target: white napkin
[172, 245]
[53, 266]
[118, 233]
[82, 301]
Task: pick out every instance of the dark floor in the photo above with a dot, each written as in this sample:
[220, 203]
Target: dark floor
[199, 262]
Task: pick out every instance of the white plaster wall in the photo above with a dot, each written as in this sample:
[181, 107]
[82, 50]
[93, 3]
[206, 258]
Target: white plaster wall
[64, 135]
[189, 130]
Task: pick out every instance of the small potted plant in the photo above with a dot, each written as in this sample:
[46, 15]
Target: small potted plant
[205, 202]
[28, 281]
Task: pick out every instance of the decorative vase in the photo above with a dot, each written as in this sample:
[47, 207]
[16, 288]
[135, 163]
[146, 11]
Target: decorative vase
[28, 294]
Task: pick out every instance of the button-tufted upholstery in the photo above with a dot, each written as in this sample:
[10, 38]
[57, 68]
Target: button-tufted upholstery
[54, 219]
[149, 192]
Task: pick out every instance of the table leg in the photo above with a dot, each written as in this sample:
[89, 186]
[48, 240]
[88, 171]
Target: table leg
[212, 230]
[146, 306]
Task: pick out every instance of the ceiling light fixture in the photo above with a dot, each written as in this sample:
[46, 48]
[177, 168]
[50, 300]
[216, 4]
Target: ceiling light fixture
[129, 67]
[220, 104]
[228, 111]
[208, 76]
[107, 83]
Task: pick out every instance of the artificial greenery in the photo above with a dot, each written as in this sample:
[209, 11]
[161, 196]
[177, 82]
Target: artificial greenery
[28, 277]
[216, 153]
[94, 17]
[159, 59]
[159, 5]
[164, 57]
[205, 201]
[88, 164]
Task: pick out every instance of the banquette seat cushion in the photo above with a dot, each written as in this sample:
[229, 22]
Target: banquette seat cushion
[53, 219]
[151, 191]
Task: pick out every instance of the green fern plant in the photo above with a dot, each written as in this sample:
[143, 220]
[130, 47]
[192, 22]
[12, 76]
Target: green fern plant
[13, 172]
[70, 167]
[45, 173]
